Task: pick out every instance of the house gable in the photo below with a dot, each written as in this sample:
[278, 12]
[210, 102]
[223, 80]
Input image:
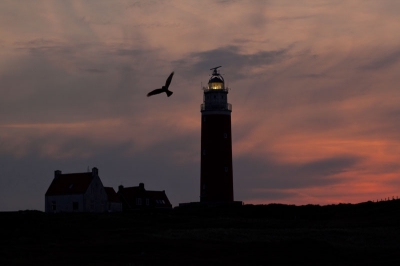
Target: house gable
[111, 194]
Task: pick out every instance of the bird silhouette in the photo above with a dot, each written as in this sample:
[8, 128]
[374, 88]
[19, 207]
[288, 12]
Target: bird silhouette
[164, 88]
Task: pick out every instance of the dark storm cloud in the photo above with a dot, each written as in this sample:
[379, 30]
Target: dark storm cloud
[269, 174]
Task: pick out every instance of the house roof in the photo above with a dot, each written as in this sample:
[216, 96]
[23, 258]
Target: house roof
[129, 195]
[66, 184]
[111, 194]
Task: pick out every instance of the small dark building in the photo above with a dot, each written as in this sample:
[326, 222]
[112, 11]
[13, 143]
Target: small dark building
[137, 198]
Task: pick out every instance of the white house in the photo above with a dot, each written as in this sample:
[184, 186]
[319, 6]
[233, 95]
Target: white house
[78, 192]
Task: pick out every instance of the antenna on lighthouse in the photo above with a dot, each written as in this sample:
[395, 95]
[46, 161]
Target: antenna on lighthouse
[214, 69]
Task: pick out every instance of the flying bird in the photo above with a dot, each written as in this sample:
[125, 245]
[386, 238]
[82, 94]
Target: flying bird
[164, 88]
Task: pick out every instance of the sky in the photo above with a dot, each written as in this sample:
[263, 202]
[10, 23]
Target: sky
[314, 88]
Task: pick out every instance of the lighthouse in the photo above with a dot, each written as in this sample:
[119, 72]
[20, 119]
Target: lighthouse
[216, 176]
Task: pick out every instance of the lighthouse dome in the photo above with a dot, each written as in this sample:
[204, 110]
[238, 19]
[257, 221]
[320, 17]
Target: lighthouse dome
[216, 82]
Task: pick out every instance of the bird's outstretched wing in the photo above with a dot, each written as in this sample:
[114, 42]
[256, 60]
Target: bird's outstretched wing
[168, 81]
[154, 92]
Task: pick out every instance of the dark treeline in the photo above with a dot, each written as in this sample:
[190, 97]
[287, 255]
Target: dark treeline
[385, 211]
[274, 234]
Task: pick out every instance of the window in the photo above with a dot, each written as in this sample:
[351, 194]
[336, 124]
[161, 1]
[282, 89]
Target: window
[53, 205]
[75, 206]
[204, 152]
[225, 135]
[226, 169]
[138, 201]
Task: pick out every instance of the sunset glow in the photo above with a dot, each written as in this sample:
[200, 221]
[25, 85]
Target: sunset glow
[314, 89]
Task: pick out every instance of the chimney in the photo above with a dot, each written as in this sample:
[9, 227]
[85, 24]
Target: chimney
[120, 187]
[141, 186]
[95, 171]
[57, 173]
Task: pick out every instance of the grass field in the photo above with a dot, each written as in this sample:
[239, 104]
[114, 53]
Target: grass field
[362, 234]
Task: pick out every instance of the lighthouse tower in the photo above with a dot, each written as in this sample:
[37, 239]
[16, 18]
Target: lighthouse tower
[216, 177]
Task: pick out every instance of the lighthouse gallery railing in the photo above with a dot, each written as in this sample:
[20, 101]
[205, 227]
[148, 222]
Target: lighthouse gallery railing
[215, 107]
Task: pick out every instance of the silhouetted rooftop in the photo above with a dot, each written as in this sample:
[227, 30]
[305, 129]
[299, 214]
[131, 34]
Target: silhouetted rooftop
[66, 184]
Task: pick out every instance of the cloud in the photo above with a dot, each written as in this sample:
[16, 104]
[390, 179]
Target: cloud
[129, 52]
[120, 162]
[314, 90]
[238, 63]
[55, 78]
[45, 46]
[258, 196]
[383, 61]
[271, 174]
[95, 70]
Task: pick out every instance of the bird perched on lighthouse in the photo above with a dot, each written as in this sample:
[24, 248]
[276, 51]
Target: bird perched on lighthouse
[164, 88]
